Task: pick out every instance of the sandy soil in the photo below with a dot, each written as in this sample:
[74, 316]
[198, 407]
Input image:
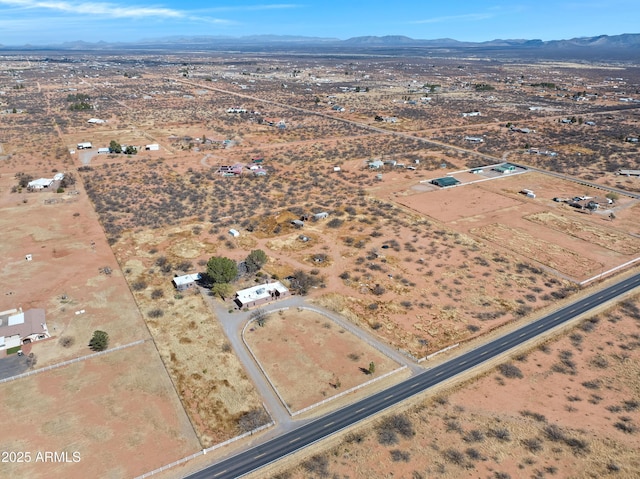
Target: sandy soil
[309, 358]
[119, 412]
[68, 249]
[573, 412]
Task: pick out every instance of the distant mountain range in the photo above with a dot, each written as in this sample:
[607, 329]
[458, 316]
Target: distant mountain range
[625, 46]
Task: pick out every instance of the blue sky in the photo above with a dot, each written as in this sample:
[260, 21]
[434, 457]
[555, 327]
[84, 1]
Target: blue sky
[40, 22]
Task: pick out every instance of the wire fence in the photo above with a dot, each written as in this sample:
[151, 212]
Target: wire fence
[205, 451]
[71, 361]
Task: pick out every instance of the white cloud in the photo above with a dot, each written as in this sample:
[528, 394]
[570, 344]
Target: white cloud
[105, 9]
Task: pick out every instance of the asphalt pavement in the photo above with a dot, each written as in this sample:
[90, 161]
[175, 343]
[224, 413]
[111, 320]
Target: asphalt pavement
[312, 432]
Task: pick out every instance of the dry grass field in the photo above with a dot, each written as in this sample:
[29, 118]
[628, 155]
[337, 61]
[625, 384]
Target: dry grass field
[118, 411]
[309, 358]
[211, 382]
[568, 408]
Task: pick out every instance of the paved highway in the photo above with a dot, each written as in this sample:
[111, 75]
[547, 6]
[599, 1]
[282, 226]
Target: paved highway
[310, 433]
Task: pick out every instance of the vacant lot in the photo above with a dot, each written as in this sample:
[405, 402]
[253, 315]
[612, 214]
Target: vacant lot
[567, 409]
[118, 411]
[309, 358]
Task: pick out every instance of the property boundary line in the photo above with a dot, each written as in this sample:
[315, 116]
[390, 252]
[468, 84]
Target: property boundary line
[72, 361]
[205, 451]
[604, 273]
[324, 401]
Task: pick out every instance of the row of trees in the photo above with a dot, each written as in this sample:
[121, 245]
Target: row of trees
[221, 271]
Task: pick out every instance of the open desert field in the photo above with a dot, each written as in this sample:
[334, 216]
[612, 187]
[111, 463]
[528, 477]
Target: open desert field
[309, 358]
[119, 413]
[419, 268]
[554, 235]
[568, 408]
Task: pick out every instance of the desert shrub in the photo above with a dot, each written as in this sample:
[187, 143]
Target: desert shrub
[600, 362]
[392, 426]
[591, 384]
[501, 434]
[318, 465]
[303, 282]
[453, 426]
[335, 223]
[631, 405]
[354, 438]
[139, 285]
[155, 313]
[554, 433]
[533, 415]
[532, 444]
[473, 454]
[67, 341]
[454, 456]
[378, 290]
[397, 455]
[184, 265]
[501, 475]
[509, 370]
[226, 347]
[474, 435]
[626, 427]
[157, 293]
[253, 419]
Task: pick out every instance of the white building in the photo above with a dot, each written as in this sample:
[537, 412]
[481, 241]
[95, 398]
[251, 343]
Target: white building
[84, 145]
[186, 281]
[152, 147]
[40, 184]
[261, 294]
[234, 233]
[18, 327]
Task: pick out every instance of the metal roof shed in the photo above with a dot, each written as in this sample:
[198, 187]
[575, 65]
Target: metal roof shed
[445, 181]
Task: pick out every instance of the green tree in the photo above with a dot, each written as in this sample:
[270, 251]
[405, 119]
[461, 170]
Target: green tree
[221, 269]
[115, 147]
[130, 150]
[224, 290]
[372, 367]
[99, 341]
[255, 260]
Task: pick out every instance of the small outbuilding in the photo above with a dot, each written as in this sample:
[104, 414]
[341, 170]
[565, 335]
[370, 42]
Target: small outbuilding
[234, 233]
[186, 281]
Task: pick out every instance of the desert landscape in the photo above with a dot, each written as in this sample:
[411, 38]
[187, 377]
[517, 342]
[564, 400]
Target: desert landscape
[324, 174]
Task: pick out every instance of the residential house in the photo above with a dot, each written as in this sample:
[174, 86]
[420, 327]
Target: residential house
[376, 164]
[260, 294]
[18, 327]
[471, 113]
[40, 184]
[474, 139]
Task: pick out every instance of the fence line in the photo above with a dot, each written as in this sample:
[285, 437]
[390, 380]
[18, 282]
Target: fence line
[204, 451]
[344, 393]
[72, 361]
[429, 356]
[601, 275]
[255, 360]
